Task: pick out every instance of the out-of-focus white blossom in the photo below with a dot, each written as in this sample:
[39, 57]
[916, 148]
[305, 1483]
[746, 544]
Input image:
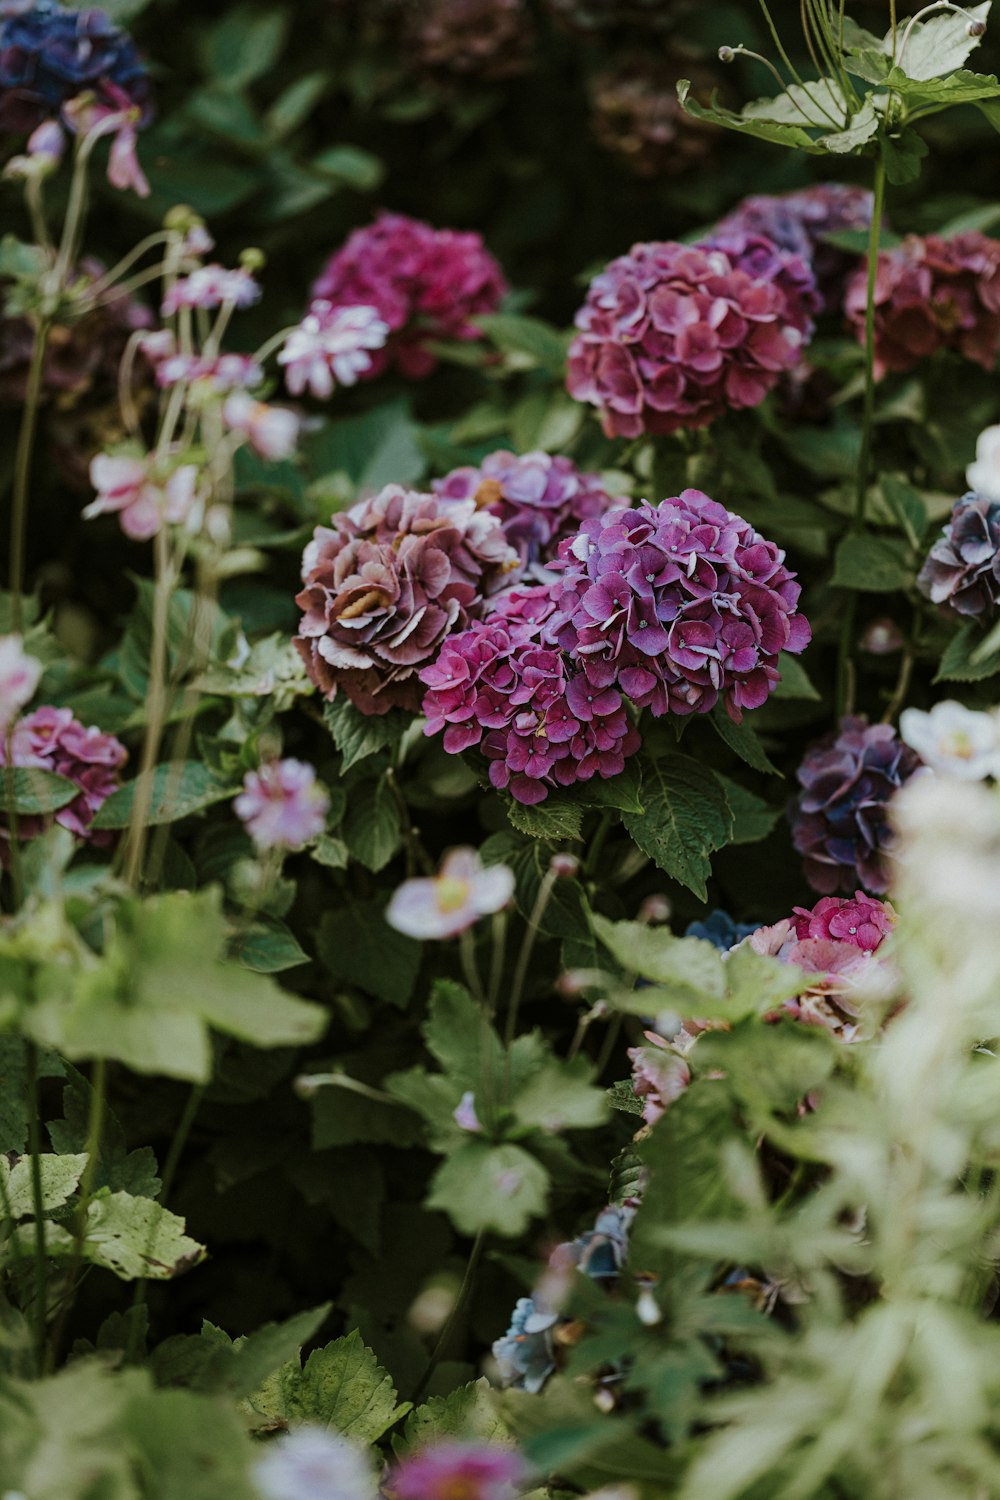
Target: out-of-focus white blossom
[312, 1464]
[954, 740]
[983, 474]
[271, 431]
[19, 677]
[444, 905]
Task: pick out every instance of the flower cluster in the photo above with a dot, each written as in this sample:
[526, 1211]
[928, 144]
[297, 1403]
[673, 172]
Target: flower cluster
[282, 805]
[384, 585]
[539, 722]
[444, 905]
[962, 569]
[538, 499]
[840, 818]
[50, 55]
[954, 740]
[799, 222]
[932, 293]
[211, 286]
[719, 929]
[50, 739]
[680, 604]
[672, 335]
[424, 283]
[332, 346]
[475, 39]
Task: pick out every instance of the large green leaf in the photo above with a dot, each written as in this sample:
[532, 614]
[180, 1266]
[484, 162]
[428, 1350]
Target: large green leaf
[59, 1178]
[133, 1237]
[686, 817]
[490, 1187]
[341, 1387]
[174, 791]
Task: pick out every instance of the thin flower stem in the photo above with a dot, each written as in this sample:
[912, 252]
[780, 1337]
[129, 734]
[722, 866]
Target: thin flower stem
[274, 342]
[608, 1047]
[95, 1128]
[37, 1203]
[135, 838]
[524, 956]
[10, 805]
[499, 949]
[36, 213]
[161, 237]
[467, 952]
[464, 1290]
[22, 472]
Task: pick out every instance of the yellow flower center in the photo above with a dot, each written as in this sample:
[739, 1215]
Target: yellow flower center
[451, 895]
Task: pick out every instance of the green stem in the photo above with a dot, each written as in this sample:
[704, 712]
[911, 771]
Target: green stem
[499, 948]
[95, 1129]
[610, 1042]
[135, 841]
[22, 472]
[524, 956]
[37, 1203]
[460, 1301]
[470, 969]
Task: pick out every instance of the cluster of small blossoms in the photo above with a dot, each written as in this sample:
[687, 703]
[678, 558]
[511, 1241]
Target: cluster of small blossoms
[537, 719]
[539, 499]
[51, 739]
[840, 818]
[386, 583]
[800, 222]
[681, 605]
[144, 492]
[332, 346]
[528, 1353]
[636, 114]
[424, 284]
[932, 293]
[671, 336]
[219, 373]
[282, 806]
[962, 570]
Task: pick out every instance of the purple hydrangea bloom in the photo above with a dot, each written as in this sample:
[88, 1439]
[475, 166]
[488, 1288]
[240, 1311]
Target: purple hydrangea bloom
[840, 818]
[49, 55]
[799, 223]
[962, 569]
[679, 605]
[50, 739]
[535, 716]
[282, 805]
[384, 585]
[672, 335]
[539, 499]
[424, 283]
[446, 1470]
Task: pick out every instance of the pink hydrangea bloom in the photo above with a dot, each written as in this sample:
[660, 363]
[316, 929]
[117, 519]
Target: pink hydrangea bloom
[384, 585]
[271, 431]
[50, 739]
[672, 335]
[863, 922]
[680, 605]
[446, 904]
[660, 1075]
[799, 222]
[209, 287]
[932, 293]
[426, 284]
[332, 346]
[19, 677]
[459, 1471]
[143, 500]
[539, 499]
[282, 805]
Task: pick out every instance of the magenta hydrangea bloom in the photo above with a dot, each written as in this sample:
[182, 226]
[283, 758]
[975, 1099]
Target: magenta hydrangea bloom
[50, 739]
[681, 605]
[386, 583]
[282, 805]
[799, 223]
[840, 818]
[535, 716]
[932, 293]
[538, 498]
[962, 569]
[425, 284]
[672, 335]
[473, 1471]
[860, 920]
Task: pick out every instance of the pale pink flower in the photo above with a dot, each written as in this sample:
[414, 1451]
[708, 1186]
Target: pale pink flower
[331, 346]
[211, 286]
[19, 677]
[281, 805]
[465, 1115]
[271, 431]
[124, 170]
[126, 486]
[87, 116]
[444, 905]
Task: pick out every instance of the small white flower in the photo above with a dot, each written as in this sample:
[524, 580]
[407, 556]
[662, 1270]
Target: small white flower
[447, 904]
[311, 1464]
[19, 675]
[272, 431]
[983, 474]
[954, 740]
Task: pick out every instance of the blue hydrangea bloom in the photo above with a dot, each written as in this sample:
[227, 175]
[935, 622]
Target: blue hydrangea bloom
[720, 930]
[526, 1354]
[49, 55]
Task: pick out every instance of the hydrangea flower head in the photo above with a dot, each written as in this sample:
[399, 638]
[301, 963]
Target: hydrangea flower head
[282, 805]
[313, 1464]
[799, 222]
[681, 605]
[19, 677]
[51, 739]
[383, 586]
[446, 904]
[962, 570]
[332, 346]
[539, 499]
[719, 929]
[932, 293]
[459, 1471]
[840, 818]
[954, 740]
[673, 335]
[424, 283]
[476, 39]
[861, 921]
[50, 54]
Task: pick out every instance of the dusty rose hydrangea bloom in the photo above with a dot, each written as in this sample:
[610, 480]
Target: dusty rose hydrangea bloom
[51, 739]
[424, 283]
[932, 293]
[962, 569]
[538, 498]
[282, 805]
[385, 583]
[861, 921]
[840, 818]
[672, 335]
[680, 605]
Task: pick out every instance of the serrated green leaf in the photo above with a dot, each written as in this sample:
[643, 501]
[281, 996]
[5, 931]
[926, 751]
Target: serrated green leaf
[490, 1187]
[174, 791]
[960, 663]
[373, 829]
[686, 816]
[560, 1096]
[133, 1237]
[211, 1361]
[688, 970]
[60, 1176]
[753, 818]
[467, 1414]
[342, 1388]
[742, 740]
[552, 819]
[871, 564]
[940, 45]
[357, 735]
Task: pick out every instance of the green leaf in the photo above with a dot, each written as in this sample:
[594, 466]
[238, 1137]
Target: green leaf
[793, 681]
[743, 741]
[686, 816]
[296, 103]
[60, 1176]
[552, 819]
[530, 336]
[375, 448]
[187, 1446]
[133, 1237]
[342, 1388]
[37, 791]
[753, 818]
[962, 662]
[940, 45]
[817, 103]
[14, 1089]
[561, 1096]
[901, 156]
[467, 1414]
[175, 791]
[351, 165]
[357, 945]
[267, 946]
[211, 1361]
[373, 830]
[907, 505]
[245, 45]
[764, 129]
[357, 735]
[871, 564]
[490, 1187]
[689, 970]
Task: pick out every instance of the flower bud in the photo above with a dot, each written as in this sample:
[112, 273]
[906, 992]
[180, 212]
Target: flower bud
[726, 55]
[252, 259]
[655, 909]
[564, 866]
[976, 28]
